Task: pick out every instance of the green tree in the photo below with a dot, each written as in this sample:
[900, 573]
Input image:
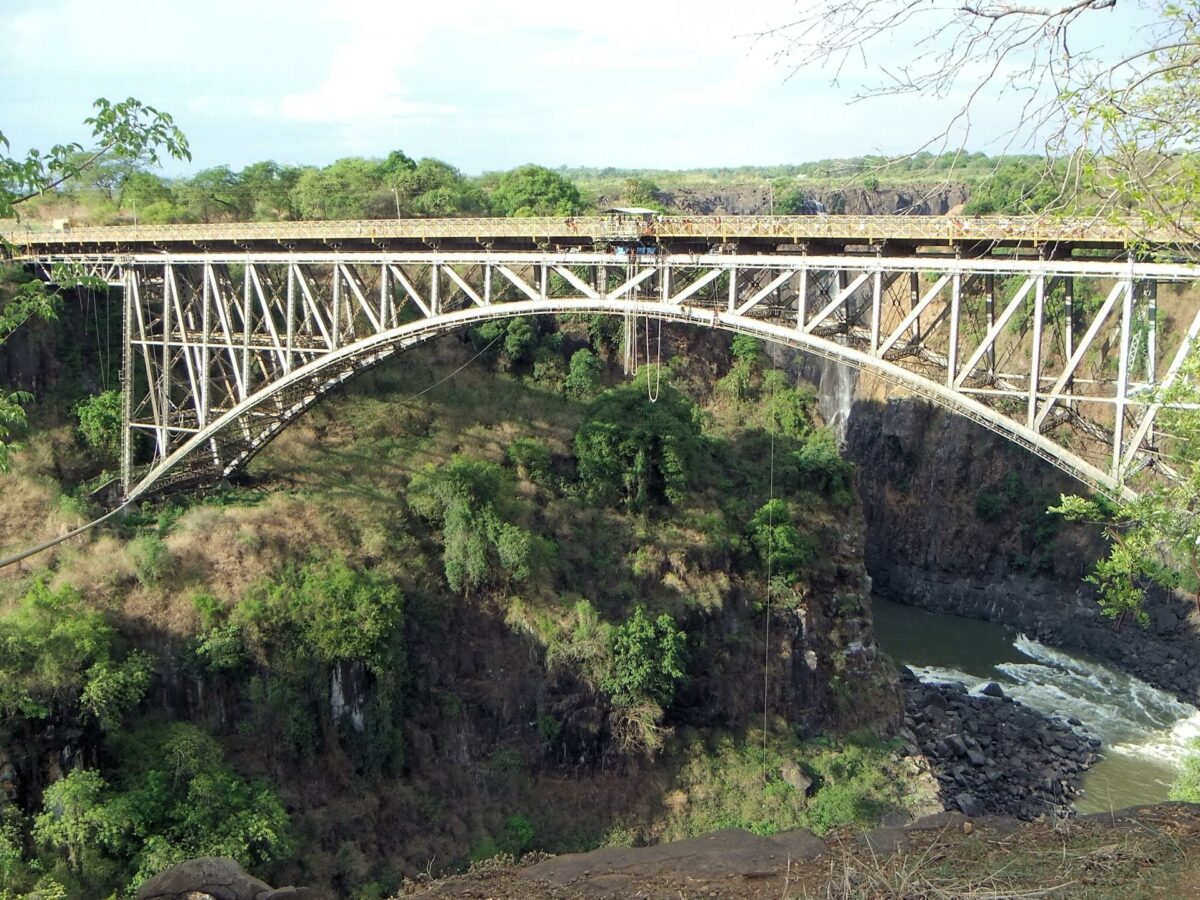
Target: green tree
[647, 660]
[350, 188]
[265, 191]
[100, 422]
[72, 816]
[143, 190]
[641, 192]
[781, 547]
[633, 451]
[788, 407]
[520, 340]
[821, 465]
[172, 796]
[535, 191]
[324, 612]
[738, 383]
[127, 130]
[58, 657]
[433, 188]
[584, 373]
[481, 546]
[1155, 538]
[396, 163]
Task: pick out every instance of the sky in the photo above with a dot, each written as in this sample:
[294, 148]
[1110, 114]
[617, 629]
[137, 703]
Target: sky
[482, 85]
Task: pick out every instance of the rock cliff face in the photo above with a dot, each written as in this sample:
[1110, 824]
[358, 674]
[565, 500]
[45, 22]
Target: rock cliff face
[41, 355]
[756, 199]
[956, 524]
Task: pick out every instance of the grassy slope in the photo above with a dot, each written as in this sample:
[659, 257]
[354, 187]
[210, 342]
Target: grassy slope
[334, 484]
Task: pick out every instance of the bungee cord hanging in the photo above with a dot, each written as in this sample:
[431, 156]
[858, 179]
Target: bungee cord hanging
[652, 393]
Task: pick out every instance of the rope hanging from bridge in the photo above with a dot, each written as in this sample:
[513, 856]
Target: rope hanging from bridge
[652, 393]
[770, 560]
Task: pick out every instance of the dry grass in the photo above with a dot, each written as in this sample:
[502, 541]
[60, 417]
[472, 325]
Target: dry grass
[1042, 859]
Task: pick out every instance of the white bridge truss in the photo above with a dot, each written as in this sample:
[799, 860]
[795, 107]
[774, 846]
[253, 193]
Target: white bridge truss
[1065, 358]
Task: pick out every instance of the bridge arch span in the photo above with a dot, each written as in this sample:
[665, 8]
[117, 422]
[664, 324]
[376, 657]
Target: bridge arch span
[221, 447]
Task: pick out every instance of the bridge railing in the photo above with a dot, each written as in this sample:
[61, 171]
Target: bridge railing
[944, 230]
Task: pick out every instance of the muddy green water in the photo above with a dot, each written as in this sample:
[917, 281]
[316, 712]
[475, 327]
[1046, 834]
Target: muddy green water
[1145, 731]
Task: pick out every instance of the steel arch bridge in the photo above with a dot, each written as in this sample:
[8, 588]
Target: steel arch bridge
[1064, 357]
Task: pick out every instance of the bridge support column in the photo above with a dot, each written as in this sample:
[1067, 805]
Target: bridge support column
[1151, 288]
[164, 373]
[247, 316]
[989, 302]
[1122, 379]
[127, 383]
[952, 349]
[1069, 326]
[802, 299]
[1035, 363]
[205, 351]
[876, 309]
[914, 296]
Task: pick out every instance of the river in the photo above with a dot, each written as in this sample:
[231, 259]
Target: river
[1145, 731]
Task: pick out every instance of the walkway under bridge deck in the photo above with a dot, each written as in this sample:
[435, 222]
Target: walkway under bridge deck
[965, 236]
[1073, 358]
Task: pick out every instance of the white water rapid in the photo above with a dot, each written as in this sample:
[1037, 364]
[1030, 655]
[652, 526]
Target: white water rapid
[1145, 731]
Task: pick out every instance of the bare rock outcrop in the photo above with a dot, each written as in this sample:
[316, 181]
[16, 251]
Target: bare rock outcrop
[213, 878]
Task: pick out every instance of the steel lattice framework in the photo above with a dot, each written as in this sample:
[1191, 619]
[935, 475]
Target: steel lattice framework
[1065, 358]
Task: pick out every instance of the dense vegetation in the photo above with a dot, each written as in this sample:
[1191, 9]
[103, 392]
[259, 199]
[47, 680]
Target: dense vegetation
[124, 191]
[201, 666]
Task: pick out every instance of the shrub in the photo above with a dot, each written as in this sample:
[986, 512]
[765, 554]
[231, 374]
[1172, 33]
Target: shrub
[636, 452]
[548, 369]
[100, 421]
[56, 654]
[531, 457]
[518, 835]
[780, 545]
[174, 798]
[647, 660]
[337, 613]
[746, 348]
[151, 558]
[479, 546]
[584, 374]
[989, 506]
[820, 463]
[519, 340]
[788, 407]
[1187, 784]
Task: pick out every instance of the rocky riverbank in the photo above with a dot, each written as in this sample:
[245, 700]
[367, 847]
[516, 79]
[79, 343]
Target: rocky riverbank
[957, 523]
[991, 755]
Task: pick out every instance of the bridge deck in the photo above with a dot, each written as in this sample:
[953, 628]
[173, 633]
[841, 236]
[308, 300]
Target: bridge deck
[963, 235]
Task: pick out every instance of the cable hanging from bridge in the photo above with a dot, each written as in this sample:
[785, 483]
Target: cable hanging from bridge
[652, 393]
[770, 576]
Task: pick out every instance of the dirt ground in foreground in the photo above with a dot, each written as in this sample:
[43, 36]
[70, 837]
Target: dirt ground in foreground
[1146, 852]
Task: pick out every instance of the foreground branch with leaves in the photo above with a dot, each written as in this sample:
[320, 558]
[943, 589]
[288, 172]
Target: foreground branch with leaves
[128, 130]
[1155, 539]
